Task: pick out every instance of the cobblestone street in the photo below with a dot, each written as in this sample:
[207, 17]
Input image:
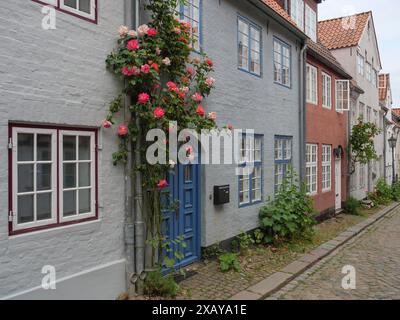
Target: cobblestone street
[375, 254]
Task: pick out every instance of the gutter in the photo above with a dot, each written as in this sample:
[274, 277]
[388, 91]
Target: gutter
[302, 111]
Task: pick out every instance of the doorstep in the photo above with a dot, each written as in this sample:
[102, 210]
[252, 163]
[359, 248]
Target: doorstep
[279, 279]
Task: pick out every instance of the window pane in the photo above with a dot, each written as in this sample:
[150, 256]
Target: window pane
[84, 174]
[69, 202]
[44, 206]
[84, 148]
[25, 146]
[70, 3]
[243, 27]
[43, 147]
[69, 148]
[25, 209]
[69, 175]
[25, 178]
[84, 5]
[84, 201]
[43, 177]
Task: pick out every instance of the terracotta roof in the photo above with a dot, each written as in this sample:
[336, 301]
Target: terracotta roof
[322, 52]
[396, 112]
[344, 31]
[279, 10]
[384, 83]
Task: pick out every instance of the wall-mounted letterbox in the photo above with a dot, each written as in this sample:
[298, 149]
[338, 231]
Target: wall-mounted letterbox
[221, 195]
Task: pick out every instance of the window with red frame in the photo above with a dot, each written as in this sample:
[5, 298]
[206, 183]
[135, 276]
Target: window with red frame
[86, 9]
[53, 177]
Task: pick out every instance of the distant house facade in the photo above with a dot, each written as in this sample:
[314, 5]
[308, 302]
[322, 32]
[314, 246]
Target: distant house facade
[352, 41]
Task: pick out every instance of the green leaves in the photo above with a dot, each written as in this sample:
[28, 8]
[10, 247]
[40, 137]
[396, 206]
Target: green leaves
[289, 215]
[229, 261]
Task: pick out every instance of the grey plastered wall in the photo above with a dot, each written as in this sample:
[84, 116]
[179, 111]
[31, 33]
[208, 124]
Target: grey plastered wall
[59, 77]
[247, 102]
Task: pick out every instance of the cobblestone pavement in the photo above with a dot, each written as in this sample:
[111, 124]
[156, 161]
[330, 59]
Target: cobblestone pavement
[375, 254]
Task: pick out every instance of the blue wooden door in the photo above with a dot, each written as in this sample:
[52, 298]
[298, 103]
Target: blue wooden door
[182, 214]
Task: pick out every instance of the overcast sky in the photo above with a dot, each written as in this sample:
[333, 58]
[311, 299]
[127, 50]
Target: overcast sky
[387, 24]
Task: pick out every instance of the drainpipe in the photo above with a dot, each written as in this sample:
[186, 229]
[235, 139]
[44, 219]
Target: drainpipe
[302, 110]
[385, 147]
[129, 230]
[136, 184]
[348, 133]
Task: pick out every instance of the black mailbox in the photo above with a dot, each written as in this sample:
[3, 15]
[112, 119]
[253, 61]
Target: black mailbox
[221, 195]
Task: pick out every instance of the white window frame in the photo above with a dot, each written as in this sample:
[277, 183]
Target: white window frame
[369, 72]
[312, 84]
[326, 90]
[15, 162]
[252, 39]
[310, 23]
[326, 168]
[362, 176]
[91, 16]
[92, 187]
[369, 114]
[360, 64]
[50, 2]
[282, 63]
[342, 95]
[297, 12]
[186, 12]
[312, 166]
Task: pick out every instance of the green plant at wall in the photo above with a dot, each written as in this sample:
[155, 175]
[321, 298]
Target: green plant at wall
[243, 242]
[158, 285]
[229, 261]
[290, 214]
[352, 206]
[396, 191]
[383, 193]
[361, 144]
[164, 84]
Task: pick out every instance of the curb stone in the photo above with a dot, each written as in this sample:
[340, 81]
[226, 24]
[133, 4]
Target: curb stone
[278, 280]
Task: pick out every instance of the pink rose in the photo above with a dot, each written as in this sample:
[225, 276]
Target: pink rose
[106, 124]
[200, 111]
[152, 32]
[185, 89]
[197, 97]
[143, 98]
[210, 82]
[132, 33]
[162, 184]
[190, 70]
[158, 51]
[145, 68]
[230, 127]
[212, 116]
[130, 71]
[159, 113]
[166, 61]
[133, 45]
[123, 30]
[172, 86]
[177, 30]
[142, 30]
[122, 130]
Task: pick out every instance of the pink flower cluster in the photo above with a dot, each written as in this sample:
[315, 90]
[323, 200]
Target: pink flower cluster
[133, 71]
[143, 98]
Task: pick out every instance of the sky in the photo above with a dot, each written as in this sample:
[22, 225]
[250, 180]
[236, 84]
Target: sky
[387, 25]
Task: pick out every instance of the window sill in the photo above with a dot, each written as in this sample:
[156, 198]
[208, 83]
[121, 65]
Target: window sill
[244, 205]
[249, 72]
[283, 85]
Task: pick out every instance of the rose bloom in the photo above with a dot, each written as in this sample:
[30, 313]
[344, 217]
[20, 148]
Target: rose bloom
[123, 30]
[190, 70]
[145, 68]
[189, 150]
[166, 61]
[230, 127]
[152, 32]
[159, 113]
[177, 30]
[155, 66]
[197, 97]
[196, 60]
[190, 46]
[162, 184]
[143, 98]
[185, 80]
[181, 95]
[172, 86]
[200, 111]
[210, 82]
[122, 130]
[212, 116]
[185, 89]
[143, 30]
[132, 33]
[132, 45]
[209, 62]
[106, 124]
[158, 51]
[130, 71]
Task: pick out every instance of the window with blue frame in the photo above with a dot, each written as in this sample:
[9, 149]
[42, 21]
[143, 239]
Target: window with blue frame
[283, 159]
[249, 46]
[250, 182]
[282, 61]
[190, 12]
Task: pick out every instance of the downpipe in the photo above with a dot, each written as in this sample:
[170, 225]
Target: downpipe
[302, 110]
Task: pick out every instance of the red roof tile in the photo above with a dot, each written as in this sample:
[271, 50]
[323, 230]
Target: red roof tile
[384, 83]
[279, 10]
[344, 31]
